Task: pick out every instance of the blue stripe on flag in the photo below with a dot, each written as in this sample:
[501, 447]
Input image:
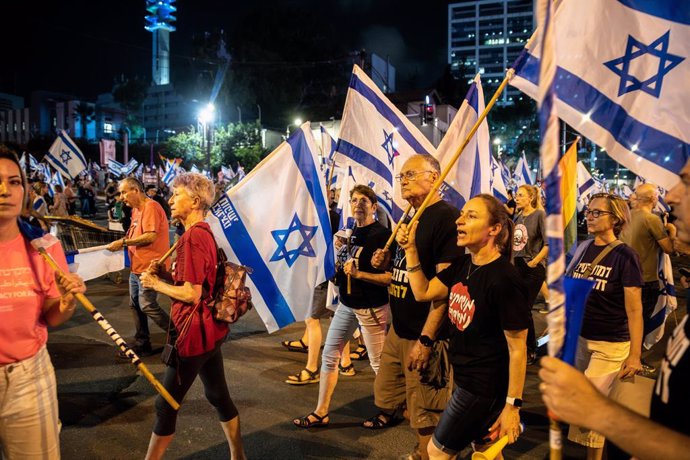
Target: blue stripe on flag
[651, 144]
[673, 10]
[243, 246]
[476, 187]
[387, 113]
[365, 159]
[58, 164]
[72, 147]
[305, 163]
[583, 188]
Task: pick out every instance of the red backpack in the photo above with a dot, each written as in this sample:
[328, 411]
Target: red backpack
[230, 298]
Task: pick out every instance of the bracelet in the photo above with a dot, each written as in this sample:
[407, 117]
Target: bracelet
[414, 268]
[124, 242]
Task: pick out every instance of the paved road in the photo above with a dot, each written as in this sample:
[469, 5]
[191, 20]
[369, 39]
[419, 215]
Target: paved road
[107, 410]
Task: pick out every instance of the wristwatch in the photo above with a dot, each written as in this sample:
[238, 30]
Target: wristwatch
[517, 402]
[426, 341]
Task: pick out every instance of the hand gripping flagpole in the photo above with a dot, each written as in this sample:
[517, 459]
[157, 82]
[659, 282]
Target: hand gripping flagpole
[112, 333]
[458, 152]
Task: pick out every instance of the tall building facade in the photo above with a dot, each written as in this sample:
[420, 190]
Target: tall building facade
[486, 36]
[159, 23]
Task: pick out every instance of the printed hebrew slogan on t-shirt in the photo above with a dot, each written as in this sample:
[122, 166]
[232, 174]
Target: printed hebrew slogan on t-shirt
[605, 318]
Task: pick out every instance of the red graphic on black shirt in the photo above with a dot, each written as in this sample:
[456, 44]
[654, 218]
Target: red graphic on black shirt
[460, 307]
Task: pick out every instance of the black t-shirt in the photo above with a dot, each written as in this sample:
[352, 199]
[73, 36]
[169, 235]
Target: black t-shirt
[436, 243]
[483, 302]
[363, 242]
[670, 403]
[605, 318]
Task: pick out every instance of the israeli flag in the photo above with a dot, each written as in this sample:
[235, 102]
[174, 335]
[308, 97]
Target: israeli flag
[622, 80]
[65, 156]
[377, 137]
[586, 185]
[665, 304]
[472, 173]
[115, 167]
[523, 176]
[91, 263]
[228, 173]
[328, 146]
[506, 174]
[276, 221]
[498, 185]
[129, 167]
[170, 173]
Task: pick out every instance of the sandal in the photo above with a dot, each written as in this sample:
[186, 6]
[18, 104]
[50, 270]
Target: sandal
[318, 422]
[381, 420]
[347, 370]
[295, 345]
[359, 354]
[303, 377]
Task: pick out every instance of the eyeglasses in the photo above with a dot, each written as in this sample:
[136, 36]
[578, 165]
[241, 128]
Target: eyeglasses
[360, 200]
[596, 213]
[410, 175]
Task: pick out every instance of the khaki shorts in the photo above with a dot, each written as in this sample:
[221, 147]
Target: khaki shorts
[396, 386]
[600, 361]
[318, 302]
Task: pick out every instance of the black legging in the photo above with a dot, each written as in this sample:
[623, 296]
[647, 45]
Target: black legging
[209, 367]
[533, 278]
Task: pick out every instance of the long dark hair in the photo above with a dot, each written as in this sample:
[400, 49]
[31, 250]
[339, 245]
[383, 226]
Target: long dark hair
[499, 216]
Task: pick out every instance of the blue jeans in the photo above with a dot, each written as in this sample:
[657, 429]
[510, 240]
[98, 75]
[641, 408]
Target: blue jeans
[345, 321]
[144, 305]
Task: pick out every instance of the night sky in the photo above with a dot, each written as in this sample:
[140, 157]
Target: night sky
[80, 46]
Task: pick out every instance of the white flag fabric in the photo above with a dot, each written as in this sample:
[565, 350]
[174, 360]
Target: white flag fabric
[129, 167]
[586, 185]
[621, 80]
[65, 156]
[498, 185]
[523, 175]
[115, 167]
[93, 262]
[170, 172]
[276, 221]
[665, 304]
[471, 174]
[379, 138]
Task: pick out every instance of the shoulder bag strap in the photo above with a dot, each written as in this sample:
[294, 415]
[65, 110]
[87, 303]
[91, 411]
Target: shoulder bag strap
[609, 247]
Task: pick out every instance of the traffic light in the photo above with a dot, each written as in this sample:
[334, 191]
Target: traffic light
[428, 113]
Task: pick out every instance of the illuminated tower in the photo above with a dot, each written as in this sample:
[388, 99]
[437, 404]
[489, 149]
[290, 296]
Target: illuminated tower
[159, 23]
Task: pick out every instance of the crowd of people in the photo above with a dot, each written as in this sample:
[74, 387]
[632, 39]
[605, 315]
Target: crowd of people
[442, 309]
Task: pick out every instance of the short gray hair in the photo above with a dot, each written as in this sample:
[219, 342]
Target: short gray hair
[197, 186]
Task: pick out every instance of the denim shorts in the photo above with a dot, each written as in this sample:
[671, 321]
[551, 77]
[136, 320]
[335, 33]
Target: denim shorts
[466, 419]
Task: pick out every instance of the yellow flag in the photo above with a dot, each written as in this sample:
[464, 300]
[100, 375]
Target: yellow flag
[568, 170]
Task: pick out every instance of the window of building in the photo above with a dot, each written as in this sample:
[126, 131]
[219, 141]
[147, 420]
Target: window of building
[519, 6]
[107, 128]
[490, 9]
[463, 12]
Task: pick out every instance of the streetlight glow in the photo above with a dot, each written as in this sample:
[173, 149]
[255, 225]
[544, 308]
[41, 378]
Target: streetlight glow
[207, 114]
[297, 122]
[497, 141]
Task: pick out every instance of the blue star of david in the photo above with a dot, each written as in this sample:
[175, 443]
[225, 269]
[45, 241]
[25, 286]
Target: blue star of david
[65, 156]
[635, 49]
[304, 249]
[387, 195]
[388, 146]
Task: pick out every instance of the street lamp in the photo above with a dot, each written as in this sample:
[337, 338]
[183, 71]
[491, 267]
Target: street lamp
[206, 117]
[297, 122]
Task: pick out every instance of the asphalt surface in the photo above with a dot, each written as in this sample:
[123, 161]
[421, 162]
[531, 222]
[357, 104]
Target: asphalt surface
[107, 410]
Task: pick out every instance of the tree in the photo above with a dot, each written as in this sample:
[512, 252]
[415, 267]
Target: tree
[130, 94]
[188, 146]
[237, 143]
[517, 126]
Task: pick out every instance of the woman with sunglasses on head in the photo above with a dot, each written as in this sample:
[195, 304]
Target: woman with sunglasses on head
[488, 312]
[610, 341]
[364, 304]
[530, 250]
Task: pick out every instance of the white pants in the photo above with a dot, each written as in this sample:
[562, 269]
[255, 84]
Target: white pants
[29, 426]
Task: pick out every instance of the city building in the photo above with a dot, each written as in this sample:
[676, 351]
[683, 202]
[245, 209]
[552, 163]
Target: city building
[14, 119]
[485, 37]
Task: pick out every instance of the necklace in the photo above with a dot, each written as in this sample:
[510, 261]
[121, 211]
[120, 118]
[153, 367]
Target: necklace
[471, 272]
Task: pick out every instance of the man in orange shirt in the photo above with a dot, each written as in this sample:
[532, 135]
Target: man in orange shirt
[147, 239]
